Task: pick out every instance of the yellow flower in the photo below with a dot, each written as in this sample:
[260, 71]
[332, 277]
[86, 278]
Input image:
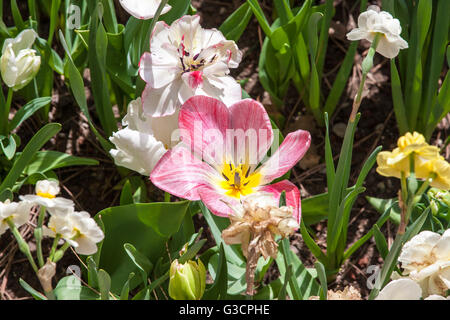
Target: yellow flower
[392, 163]
[411, 139]
[439, 168]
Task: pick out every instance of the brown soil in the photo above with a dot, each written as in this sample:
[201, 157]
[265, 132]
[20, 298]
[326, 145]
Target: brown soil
[98, 187]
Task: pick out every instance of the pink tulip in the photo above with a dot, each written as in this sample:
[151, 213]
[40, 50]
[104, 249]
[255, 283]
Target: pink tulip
[221, 155]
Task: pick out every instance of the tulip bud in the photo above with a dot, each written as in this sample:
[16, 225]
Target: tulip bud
[19, 63]
[187, 281]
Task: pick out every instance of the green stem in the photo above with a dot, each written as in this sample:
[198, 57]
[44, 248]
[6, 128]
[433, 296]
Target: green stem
[4, 129]
[38, 236]
[166, 197]
[23, 246]
[366, 66]
[54, 246]
[60, 252]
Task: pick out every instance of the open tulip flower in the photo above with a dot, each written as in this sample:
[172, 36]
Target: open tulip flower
[143, 140]
[143, 9]
[187, 60]
[221, 155]
[372, 22]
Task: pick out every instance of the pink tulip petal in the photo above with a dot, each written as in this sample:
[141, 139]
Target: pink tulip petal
[181, 174]
[203, 122]
[292, 195]
[288, 154]
[217, 202]
[252, 131]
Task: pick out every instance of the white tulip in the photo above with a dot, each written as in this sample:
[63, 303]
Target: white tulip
[372, 22]
[17, 212]
[19, 63]
[77, 228]
[144, 140]
[143, 9]
[46, 195]
[187, 60]
[426, 260]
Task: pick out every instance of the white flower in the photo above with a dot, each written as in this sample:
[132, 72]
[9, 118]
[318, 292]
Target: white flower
[426, 260]
[17, 212]
[373, 21]
[144, 140]
[19, 63]
[404, 289]
[187, 60]
[77, 228]
[46, 195]
[400, 289]
[143, 9]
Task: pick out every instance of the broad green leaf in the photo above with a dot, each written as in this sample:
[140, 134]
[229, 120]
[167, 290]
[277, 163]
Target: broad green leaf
[397, 97]
[216, 225]
[44, 161]
[234, 26]
[37, 142]
[218, 290]
[104, 284]
[77, 88]
[259, 14]
[147, 226]
[141, 261]
[8, 146]
[380, 242]
[36, 294]
[70, 288]
[302, 284]
[28, 110]
[321, 274]
[126, 288]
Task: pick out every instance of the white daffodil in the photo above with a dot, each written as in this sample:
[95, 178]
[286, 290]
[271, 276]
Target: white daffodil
[426, 260]
[187, 60]
[405, 289]
[19, 63]
[372, 22]
[143, 9]
[144, 140]
[77, 228]
[17, 212]
[46, 195]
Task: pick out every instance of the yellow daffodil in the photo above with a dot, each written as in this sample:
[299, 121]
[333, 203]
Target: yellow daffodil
[438, 170]
[393, 163]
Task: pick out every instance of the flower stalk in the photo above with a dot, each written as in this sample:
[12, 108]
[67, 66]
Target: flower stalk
[23, 246]
[5, 113]
[38, 236]
[367, 64]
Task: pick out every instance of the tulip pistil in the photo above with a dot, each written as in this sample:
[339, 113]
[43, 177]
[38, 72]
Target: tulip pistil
[239, 180]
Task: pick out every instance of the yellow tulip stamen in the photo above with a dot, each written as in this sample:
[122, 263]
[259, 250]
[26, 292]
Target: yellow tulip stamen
[238, 180]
